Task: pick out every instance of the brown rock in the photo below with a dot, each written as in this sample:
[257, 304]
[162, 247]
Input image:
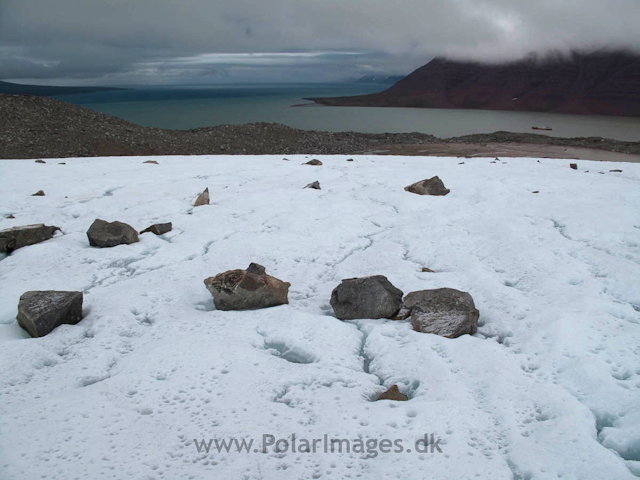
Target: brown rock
[536, 191]
[152, 161]
[203, 198]
[393, 394]
[11, 216]
[427, 270]
[314, 162]
[248, 289]
[431, 186]
[39, 193]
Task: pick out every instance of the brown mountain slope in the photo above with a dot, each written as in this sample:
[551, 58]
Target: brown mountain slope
[602, 83]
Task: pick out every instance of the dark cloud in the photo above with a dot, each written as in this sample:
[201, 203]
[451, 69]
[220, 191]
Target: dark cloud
[133, 41]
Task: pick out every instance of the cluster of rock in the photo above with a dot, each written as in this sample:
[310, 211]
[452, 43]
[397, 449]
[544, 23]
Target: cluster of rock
[444, 311]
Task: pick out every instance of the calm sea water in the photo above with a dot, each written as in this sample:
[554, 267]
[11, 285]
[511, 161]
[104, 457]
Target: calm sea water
[193, 107]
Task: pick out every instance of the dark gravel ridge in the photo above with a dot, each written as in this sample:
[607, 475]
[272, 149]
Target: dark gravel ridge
[38, 127]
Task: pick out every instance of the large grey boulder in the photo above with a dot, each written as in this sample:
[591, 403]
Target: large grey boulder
[104, 234]
[39, 312]
[431, 186]
[443, 311]
[18, 237]
[366, 297]
[248, 289]
[158, 228]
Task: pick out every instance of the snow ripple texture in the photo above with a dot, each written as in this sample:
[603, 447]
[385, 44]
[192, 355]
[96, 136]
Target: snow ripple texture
[549, 387]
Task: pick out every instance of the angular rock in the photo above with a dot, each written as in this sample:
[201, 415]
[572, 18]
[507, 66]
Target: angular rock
[393, 394]
[431, 186]
[103, 234]
[574, 166]
[151, 161]
[315, 185]
[18, 237]
[203, 198]
[40, 161]
[158, 228]
[314, 162]
[39, 193]
[427, 270]
[443, 311]
[39, 312]
[248, 289]
[366, 297]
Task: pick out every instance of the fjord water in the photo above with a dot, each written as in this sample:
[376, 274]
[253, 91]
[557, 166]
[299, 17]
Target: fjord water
[193, 107]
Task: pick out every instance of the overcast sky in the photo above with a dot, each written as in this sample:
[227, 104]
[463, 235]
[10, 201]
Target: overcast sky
[228, 41]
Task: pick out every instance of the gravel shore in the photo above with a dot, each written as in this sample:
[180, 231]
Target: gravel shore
[38, 127]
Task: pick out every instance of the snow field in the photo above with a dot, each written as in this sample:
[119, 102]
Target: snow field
[548, 388]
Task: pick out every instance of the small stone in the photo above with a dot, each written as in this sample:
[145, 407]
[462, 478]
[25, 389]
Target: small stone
[574, 166]
[17, 237]
[39, 312]
[431, 186]
[152, 161]
[158, 228]
[248, 289]
[427, 270]
[535, 191]
[40, 161]
[285, 159]
[62, 163]
[461, 163]
[315, 185]
[402, 314]
[366, 297]
[103, 234]
[203, 198]
[349, 159]
[393, 394]
[39, 193]
[314, 162]
[11, 216]
[616, 171]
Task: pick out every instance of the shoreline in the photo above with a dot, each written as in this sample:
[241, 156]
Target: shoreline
[37, 127]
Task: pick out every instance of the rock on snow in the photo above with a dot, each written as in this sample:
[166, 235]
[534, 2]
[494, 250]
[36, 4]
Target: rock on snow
[548, 387]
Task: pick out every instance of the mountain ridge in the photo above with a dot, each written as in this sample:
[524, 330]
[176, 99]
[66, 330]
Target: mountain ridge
[599, 83]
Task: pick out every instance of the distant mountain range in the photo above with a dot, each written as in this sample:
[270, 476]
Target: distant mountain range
[601, 83]
[380, 79]
[47, 91]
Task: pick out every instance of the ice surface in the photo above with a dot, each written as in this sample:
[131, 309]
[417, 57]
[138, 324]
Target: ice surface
[548, 388]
